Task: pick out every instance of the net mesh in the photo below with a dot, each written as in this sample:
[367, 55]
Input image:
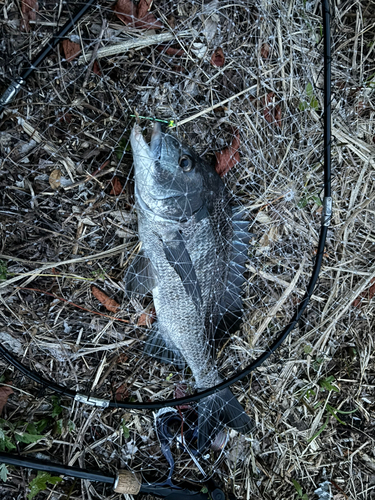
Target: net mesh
[242, 78]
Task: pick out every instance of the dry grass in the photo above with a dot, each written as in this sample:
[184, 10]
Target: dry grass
[62, 241]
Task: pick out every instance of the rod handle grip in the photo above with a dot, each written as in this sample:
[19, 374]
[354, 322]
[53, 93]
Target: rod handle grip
[127, 482]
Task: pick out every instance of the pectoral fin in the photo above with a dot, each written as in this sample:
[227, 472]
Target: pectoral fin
[179, 258]
[139, 277]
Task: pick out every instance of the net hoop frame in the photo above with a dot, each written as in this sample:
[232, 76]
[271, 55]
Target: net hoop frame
[9, 95]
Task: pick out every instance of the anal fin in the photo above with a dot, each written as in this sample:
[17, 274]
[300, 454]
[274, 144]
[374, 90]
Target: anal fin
[157, 347]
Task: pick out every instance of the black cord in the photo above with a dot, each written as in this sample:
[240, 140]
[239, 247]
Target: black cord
[282, 335]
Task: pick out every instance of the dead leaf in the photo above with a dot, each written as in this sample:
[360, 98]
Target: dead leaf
[272, 111]
[29, 9]
[267, 240]
[180, 391]
[217, 58]
[55, 179]
[171, 20]
[66, 117]
[96, 69]
[137, 15]
[122, 392]
[147, 318]
[109, 304]
[122, 358]
[125, 10]
[179, 69]
[226, 159]
[265, 51]
[149, 22]
[71, 49]
[143, 8]
[367, 294]
[116, 187]
[5, 392]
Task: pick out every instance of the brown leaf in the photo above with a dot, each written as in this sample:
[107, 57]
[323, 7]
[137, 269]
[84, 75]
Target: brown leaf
[226, 159]
[122, 358]
[125, 10]
[179, 69]
[71, 49]
[217, 58]
[180, 391]
[147, 318]
[29, 9]
[122, 392]
[171, 20]
[265, 51]
[66, 117]
[272, 111]
[137, 16]
[55, 179]
[116, 187]
[5, 392]
[96, 69]
[143, 8]
[369, 294]
[109, 304]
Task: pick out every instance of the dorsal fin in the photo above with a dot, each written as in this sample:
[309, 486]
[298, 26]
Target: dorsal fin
[231, 306]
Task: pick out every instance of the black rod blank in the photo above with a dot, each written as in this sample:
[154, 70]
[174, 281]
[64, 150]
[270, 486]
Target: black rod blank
[13, 89]
[47, 466]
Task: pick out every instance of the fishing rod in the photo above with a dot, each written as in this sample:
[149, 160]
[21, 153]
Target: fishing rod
[124, 482]
[11, 92]
[281, 335]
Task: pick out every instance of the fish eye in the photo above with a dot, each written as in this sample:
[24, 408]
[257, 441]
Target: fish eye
[186, 163]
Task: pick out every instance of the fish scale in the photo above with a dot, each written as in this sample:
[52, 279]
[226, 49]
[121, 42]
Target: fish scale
[193, 252]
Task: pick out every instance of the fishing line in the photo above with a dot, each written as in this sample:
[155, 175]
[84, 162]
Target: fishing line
[282, 335]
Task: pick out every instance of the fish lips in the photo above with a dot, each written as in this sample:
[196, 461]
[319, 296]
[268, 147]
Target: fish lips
[140, 146]
[156, 141]
[152, 181]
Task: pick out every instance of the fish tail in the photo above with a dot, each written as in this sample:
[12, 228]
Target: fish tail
[222, 408]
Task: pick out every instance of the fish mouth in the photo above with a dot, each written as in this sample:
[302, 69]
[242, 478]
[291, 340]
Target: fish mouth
[156, 140]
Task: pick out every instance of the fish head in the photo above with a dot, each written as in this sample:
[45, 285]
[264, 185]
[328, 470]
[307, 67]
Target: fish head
[170, 178]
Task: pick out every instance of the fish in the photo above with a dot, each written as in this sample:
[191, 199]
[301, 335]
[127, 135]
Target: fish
[194, 247]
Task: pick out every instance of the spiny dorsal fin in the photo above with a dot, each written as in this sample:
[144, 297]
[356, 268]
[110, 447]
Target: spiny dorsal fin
[231, 306]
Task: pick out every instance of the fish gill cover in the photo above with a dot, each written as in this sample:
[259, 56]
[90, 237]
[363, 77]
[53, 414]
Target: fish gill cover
[138, 269]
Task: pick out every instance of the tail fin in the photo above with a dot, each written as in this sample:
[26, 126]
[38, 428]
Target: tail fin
[215, 411]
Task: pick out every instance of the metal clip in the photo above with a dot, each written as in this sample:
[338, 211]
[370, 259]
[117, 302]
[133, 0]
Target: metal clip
[11, 92]
[327, 211]
[90, 400]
